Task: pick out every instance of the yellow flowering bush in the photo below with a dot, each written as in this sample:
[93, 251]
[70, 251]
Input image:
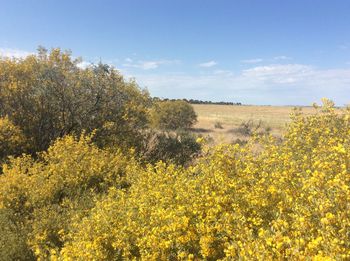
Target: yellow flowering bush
[12, 140]
[271, 199]
[280, 200]
[41, 196]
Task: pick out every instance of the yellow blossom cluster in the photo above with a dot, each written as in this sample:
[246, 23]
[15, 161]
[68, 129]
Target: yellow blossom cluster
[271, 199]
[39, 197]
[286, 199]
[12, 140]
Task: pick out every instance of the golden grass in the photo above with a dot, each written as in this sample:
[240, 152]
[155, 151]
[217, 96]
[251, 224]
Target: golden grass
[231, 117]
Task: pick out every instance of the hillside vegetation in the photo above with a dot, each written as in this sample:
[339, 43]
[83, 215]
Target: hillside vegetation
[89, 173]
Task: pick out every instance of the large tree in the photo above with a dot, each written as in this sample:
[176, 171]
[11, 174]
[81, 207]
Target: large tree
[48, 95]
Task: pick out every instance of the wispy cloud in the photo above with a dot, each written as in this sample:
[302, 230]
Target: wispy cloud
[251, 61]
[282, 57]
[278, 73]
[277, 84]
[13, 53]
[147, 65]
[223, 72]
[208, 64]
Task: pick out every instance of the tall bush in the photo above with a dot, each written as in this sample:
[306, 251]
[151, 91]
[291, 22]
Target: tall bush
[173, 115]
[48, 95]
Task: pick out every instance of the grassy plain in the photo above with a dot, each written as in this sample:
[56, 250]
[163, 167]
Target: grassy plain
[231, 118]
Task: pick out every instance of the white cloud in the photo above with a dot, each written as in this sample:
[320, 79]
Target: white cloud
[128, 60]
[282, 57]
[223, 72]
[250, 61]
[208, 64]
[148, 65]
[279, 73]
[13, 53]
[276, 84]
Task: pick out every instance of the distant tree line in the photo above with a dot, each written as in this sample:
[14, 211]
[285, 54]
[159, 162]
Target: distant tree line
[192, 101]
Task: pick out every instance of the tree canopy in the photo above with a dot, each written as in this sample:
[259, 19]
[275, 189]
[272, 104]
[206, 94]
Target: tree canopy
[48, 95]
[173, 115]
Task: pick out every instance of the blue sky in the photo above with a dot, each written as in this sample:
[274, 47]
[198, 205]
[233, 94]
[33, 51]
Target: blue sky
[252, 51]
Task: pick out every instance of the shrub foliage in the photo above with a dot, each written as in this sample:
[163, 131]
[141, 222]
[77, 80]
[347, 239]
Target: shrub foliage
[12, 140]
[173, 115]
[48, 96]
[40, 198]
[279, 200]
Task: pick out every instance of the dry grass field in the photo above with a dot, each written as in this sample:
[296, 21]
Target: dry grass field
[225, 123]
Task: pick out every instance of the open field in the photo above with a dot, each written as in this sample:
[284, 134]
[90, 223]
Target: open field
[231, 117]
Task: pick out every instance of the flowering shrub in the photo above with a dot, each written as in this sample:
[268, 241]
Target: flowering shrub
[39, 198]
[282, 200]
[12, 140]
[267, 200]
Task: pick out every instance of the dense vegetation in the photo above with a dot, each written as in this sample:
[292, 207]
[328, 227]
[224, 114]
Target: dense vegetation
[47, 96]
[87, 189]
[173, 115]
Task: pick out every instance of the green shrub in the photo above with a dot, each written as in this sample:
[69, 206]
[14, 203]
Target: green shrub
[48, 96]
[173, 115]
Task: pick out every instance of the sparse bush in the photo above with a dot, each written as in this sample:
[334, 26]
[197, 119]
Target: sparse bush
[249, 127]
[218, 125]
[267, 129]
[239, 142]
[179, 148]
